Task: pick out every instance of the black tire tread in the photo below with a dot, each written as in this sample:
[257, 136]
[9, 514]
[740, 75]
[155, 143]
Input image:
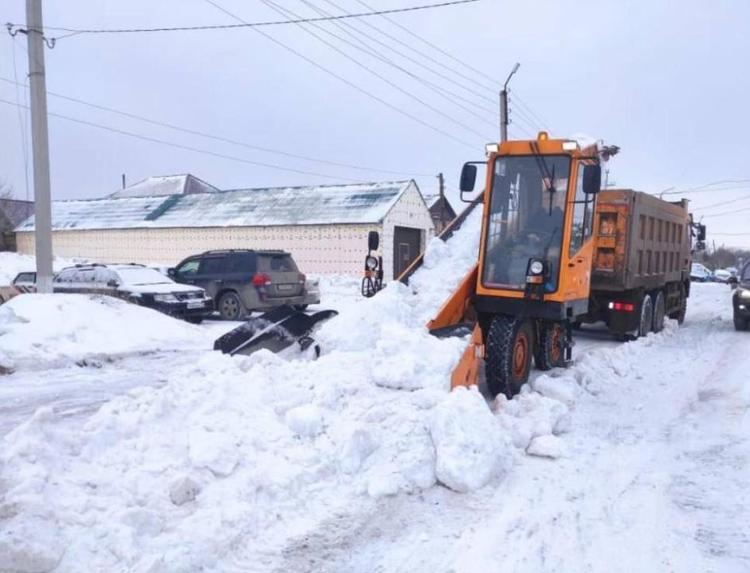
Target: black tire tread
[498, 361]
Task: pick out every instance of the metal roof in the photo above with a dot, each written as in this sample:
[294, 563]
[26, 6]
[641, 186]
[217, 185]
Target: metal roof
[324, 205]
[166, 185]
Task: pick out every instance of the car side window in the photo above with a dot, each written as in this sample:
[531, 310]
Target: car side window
[24, 278]
[65, 276]
[212, 265]
[188, 268]
[241, 263]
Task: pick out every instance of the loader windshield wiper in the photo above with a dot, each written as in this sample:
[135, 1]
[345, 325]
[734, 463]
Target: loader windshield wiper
[548, 177]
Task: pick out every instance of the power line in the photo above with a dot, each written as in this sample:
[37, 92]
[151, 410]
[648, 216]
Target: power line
[77, 31]
[356, 62]
[425, 56]
[188, 147]
[225, 139]
[737, 199]
[727, 213]
[542, 123]
[709, 187]
[355, 33]
[480, 74]
[21, 121]
[344, 80]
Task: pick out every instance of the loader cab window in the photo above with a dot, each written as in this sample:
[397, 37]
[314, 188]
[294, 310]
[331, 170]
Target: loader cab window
[526, 217]
[583, 215]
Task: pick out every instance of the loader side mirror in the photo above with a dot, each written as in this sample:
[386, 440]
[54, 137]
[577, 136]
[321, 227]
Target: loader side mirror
[592, 179]
[373, 240]
[701, 233]
[468, 178]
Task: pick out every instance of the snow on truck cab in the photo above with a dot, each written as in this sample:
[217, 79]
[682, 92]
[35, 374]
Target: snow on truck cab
[555, 252]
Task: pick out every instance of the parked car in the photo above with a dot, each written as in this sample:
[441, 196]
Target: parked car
[24, 282]
[700, 273]
[741, 300]
[137, 284]
[722, 276]
[243, 280]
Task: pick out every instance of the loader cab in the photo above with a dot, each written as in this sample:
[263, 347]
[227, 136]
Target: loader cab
[536, 243]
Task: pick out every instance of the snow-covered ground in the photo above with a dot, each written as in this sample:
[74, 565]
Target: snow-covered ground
[634, 459]
[13, 263]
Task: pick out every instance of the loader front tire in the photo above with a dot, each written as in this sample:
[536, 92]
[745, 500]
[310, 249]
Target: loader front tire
[510, 345]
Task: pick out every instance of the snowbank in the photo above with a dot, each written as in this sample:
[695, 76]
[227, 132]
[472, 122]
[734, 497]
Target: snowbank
[42, 331]
[13, 263]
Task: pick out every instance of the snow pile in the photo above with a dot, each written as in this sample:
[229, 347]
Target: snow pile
[13, 263]
[56, 330]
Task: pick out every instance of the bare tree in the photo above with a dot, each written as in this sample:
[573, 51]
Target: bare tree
[6, 190]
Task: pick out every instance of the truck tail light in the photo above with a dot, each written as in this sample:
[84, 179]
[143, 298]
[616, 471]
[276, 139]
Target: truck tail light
[261, 279]
[622, 306]
[302, 278]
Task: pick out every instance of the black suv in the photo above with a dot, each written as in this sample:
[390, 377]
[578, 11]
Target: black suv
[243, 280]
[741, 299]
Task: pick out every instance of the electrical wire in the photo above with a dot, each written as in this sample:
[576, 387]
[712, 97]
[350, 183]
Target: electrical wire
[78, 31]
[722, 203]
[710, 187]
[21, 122]
[343, 79]
[411, 47]
[188, 147]
[451, 96]
[381, 77]
[226, 139]
[413, 34]
[725, 213]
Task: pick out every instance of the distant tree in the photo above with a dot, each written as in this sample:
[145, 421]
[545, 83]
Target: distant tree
[724, 257]
[6, 190]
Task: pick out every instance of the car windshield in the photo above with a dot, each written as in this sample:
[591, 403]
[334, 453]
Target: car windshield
[526, 218]
[139, 276]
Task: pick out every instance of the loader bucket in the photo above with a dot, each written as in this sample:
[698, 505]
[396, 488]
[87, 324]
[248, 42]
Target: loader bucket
[274, 330]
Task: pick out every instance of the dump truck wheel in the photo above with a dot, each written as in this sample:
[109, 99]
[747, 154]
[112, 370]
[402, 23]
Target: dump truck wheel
[679, 315]
[550, 352]
[659, 311]
[647, 316]
[510, 344]
[230, 306]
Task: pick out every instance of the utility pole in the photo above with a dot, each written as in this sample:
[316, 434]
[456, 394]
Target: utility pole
[40, 147]
[504, 120]
[441, 191]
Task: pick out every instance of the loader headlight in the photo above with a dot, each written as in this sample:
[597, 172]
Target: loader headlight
[371, 263]
[536, 267]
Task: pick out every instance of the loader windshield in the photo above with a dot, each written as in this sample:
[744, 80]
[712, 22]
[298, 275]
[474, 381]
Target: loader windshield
[526, 219]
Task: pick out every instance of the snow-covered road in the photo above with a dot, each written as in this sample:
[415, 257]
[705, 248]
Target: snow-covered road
[655, 478]
[269, 463]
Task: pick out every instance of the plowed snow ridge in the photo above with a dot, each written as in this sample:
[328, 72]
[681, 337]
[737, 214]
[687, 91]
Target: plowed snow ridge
[280, 462]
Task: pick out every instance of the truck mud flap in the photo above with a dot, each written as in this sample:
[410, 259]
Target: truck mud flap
[274, 330]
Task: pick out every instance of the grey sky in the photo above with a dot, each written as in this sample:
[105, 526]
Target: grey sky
[666, 81]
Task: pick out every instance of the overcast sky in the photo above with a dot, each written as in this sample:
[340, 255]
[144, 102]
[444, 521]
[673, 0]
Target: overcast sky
[666, 81]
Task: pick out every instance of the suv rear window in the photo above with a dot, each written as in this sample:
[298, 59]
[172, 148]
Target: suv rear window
[276, 263]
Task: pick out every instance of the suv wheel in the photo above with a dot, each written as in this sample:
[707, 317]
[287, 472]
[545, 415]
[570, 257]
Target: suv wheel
[230, 306]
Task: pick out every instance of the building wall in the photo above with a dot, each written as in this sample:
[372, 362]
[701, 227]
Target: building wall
[409, 211]
[317, 249]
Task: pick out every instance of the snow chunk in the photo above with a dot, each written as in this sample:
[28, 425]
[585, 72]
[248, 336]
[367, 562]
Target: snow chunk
[183, 489]
[547, 447]
[30, 547]
[470, 445]
[562, 388]
[530, 415]
[355, 450]
[216, 451]
[305, 420]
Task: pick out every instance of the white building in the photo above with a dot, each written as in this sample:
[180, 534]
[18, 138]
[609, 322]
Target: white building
[163, 220]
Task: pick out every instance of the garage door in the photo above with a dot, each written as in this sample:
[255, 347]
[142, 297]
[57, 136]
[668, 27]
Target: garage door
[406, 243]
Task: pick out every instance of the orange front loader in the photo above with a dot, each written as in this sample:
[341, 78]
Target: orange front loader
[533, 275]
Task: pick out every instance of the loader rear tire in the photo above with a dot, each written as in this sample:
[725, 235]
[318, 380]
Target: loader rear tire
[550, 353]
[510, 345]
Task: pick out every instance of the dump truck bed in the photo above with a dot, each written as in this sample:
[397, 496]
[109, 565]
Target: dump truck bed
[641, 241]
